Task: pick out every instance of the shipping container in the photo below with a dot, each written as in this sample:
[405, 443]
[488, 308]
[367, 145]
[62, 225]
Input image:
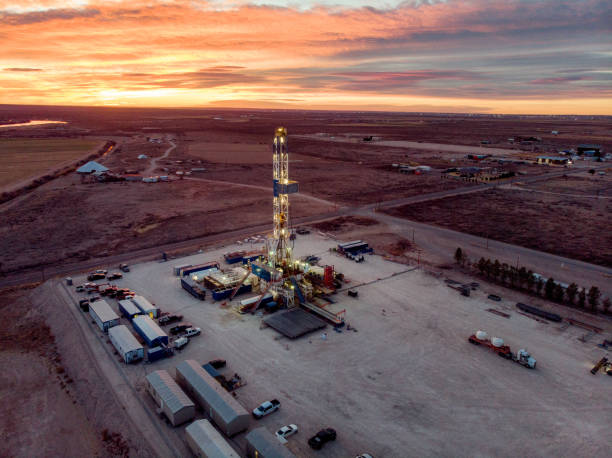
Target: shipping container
[225, 411]
[103, 315]
[177, 269]
[155, 354]
[234, 257]
[126, 344]
[261, 443]
[193, 288]
[206, 442]
[170, 398]
[145, 306]
[209, 265]
[129, 309]
[149, 331]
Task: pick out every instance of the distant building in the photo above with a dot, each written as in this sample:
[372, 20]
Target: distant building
[554, 160]
[91, 167]
[592, 150]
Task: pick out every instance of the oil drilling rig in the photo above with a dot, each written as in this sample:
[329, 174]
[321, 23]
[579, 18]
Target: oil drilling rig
[279, 243]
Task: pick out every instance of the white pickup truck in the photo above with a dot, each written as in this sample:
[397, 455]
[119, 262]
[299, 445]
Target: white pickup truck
[266, 408]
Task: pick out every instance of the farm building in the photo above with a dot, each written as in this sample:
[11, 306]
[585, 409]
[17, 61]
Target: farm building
[129, 309]
[172, 401]
[589, 149]
[261, 443]
[206, 442]
[145, 306]
[91, 167]
[125, 343]
[224, 410]
[149, 331]
[103, 315]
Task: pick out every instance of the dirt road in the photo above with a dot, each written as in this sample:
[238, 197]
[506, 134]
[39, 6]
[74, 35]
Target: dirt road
[149, 170]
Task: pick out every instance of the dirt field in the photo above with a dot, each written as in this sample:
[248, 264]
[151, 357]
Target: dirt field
[561, 216]
[40, 410]
[408, 376]
[21, 159]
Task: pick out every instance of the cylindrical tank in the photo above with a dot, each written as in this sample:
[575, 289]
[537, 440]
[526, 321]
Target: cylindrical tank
[481, 335]
[497, 342]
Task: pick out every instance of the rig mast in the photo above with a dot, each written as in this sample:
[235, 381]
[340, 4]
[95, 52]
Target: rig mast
[279, 246]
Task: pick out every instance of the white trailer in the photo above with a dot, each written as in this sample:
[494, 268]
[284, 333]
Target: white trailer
[126, 344]
[103, 315]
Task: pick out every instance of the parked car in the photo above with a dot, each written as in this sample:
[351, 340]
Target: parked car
[80, 289]
[180, 342]
[96, 276]
[364, 455]
[84, 304]
[192, 332]
[115, 276]
[494, 297]
[266, 408]
[124, 268]
[94, 298]
[100, 271]
[287, 431]
[167, 319]
[321, 438]
[181, 327]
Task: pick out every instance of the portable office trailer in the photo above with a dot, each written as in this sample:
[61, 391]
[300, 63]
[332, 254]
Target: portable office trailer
[129, 309]
[103, 315]
[261, 443]
[149, 331]
[224, 410]
[170, 398]
[145, 306]
[126, 344]
[206, 442]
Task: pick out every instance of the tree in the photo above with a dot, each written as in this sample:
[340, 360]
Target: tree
[549, 288]
[503, 272]
[594, 295]
[539, 285]
[482, 265]
[530, 280]
[522, 276]
[496, 269]
[558, 293]
[606, 304]
[488, 267]
[571, 292]
[581, 298]
[459, 255]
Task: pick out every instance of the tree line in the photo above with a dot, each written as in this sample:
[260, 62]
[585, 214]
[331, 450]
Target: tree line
[524, 279]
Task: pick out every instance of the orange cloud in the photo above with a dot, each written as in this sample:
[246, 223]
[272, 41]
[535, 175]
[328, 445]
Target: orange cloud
[183, 53]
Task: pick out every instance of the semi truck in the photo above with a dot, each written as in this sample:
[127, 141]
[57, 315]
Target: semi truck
[497, 345]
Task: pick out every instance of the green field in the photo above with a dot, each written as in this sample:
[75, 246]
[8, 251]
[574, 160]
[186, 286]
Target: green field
[21, 159]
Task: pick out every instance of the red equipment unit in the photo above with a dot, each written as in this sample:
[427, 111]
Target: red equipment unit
[503, 351]
[329, 276]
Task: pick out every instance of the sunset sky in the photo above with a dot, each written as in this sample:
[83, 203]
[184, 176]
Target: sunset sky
[511, 56]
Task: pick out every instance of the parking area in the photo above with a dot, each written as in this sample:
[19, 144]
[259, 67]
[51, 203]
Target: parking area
[403, 381]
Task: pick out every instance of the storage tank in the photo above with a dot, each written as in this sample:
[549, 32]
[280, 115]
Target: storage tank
[481, 335]
[497, 342]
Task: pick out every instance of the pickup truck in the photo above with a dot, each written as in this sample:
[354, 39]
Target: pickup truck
[266, 408]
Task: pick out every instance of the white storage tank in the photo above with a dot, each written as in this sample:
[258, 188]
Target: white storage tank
[497, 342]
[481, 335]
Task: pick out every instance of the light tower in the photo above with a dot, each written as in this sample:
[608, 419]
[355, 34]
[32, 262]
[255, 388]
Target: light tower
[279, 249]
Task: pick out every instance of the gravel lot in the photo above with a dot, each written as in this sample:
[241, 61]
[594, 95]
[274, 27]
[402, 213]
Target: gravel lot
[407, 383]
